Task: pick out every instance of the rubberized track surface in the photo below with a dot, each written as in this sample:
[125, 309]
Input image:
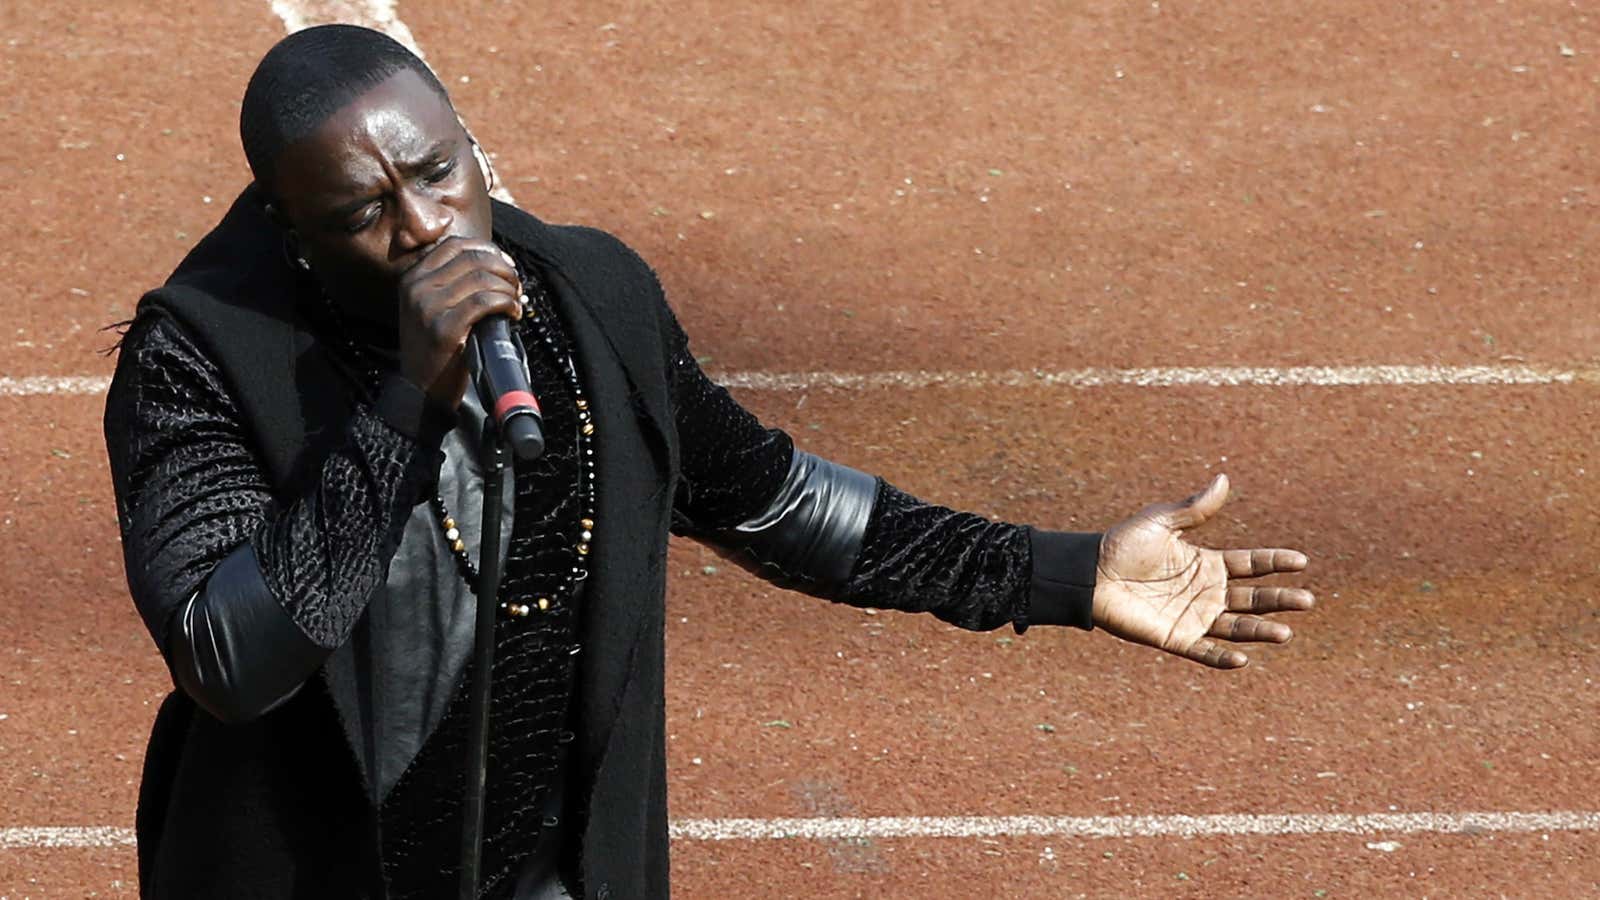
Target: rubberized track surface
[875, 187]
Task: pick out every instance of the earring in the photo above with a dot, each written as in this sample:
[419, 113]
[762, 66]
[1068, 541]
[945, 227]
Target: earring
[484, 165]
[291, 253]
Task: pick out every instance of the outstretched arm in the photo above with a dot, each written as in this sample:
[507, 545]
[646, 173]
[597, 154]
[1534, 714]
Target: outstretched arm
[812, 525]
[815, 526]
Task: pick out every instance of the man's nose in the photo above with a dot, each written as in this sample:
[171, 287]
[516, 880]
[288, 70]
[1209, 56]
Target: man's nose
[422, 222]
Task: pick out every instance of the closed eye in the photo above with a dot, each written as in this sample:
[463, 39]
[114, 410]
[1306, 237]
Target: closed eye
[441, 172]
[364, 217]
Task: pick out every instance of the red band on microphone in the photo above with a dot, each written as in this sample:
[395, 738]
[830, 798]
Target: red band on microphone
[511, 400]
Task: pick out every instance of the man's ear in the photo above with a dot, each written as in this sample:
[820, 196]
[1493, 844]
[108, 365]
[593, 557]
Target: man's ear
[291, 239]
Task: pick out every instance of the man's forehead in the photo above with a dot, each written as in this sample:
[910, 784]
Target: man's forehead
[400, 120]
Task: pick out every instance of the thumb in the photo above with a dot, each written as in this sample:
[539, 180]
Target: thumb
[1194, 511]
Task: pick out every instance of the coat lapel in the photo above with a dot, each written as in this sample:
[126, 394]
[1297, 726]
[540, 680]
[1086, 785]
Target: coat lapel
[599, 314]
[614, 325]
[236, 283]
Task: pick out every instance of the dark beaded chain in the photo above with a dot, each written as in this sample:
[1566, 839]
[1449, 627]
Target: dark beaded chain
[533, 307]
[537, 308]
[458, 547]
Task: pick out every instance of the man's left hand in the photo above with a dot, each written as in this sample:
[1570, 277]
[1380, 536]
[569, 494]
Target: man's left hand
[1153, 587]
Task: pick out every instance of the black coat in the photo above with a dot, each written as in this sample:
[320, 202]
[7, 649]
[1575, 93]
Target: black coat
[274, 808]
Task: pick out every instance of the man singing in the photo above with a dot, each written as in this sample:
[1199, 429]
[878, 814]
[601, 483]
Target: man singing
[294, 440]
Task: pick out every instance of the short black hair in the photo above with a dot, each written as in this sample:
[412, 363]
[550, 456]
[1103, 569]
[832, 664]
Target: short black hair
[306, 78]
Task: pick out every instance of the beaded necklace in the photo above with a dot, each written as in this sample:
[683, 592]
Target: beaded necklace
[536, 308]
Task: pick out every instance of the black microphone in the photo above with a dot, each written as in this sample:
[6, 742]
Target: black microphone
[502, 380]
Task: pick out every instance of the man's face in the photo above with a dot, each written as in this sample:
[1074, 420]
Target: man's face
[381, 182]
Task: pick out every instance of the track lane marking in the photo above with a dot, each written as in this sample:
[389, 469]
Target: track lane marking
[1129, 826]
[376, 14]
[1166, 376]
[41, 385]
[1110, 827]
[1154, 377]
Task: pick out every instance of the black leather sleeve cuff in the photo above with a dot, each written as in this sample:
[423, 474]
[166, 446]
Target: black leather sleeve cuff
[809, 536]
[406, 408]
[1062, 591]
[233, 649]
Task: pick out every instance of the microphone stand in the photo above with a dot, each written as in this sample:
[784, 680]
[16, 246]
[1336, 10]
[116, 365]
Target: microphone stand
[488, 589]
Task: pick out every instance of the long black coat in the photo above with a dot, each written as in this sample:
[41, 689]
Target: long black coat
[274, 808]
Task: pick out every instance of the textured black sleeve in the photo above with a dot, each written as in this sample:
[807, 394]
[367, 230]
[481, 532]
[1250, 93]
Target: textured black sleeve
[190, 491]
[732, 466]
[326, 551]
[914, 556]
[968, 570]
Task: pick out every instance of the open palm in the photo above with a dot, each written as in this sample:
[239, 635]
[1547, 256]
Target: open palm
[1153, 587]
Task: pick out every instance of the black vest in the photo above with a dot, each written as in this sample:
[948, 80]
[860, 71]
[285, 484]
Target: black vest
[274, 808]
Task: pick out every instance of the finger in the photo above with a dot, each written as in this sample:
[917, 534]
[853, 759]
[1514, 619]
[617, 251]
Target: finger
[476, 307]
[434, 257]
[481, 257]
[1251, 563]
[1236, 627]
[470, 281]
[1210, 653]
[453, 256]
[451, 309]
[1268, 599]
[1194, 511]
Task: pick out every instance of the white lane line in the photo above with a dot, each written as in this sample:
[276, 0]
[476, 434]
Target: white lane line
[999, 826]
[1162, 377]
[377, 14]
[34, 385]
[1166, 376]
[1128, 826]
[64, 838]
